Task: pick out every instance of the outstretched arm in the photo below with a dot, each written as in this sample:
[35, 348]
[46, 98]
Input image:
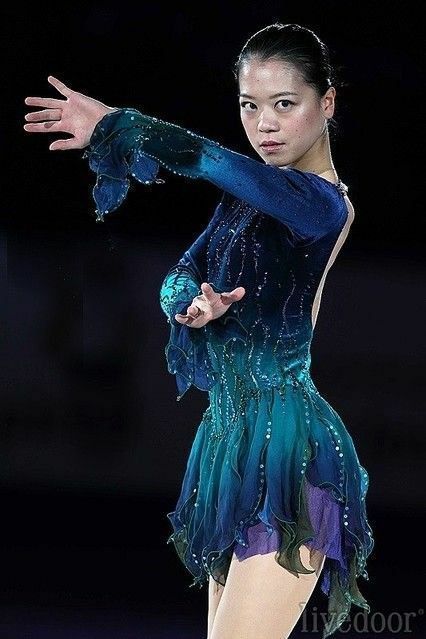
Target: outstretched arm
[296, 198]
[78, 115]
[126, 142]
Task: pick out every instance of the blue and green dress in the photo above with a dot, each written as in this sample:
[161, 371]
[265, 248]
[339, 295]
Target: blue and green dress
[272, 466]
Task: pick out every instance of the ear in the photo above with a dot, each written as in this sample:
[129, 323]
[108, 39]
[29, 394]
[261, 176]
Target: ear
[327, 102]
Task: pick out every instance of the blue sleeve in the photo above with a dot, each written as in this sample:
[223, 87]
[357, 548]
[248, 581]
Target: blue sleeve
[128, 142]
[187, 351]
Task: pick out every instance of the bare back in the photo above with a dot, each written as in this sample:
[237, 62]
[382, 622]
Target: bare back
[340, 241]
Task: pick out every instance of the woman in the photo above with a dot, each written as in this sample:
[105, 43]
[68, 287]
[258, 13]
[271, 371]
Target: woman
[274, 494]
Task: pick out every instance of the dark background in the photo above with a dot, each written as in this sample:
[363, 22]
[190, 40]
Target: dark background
[93, 445]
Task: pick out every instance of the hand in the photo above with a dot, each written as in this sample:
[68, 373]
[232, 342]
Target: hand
[78, 115]
[212, 304]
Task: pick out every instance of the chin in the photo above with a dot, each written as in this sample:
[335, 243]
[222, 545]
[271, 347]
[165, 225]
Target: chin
[276, 161]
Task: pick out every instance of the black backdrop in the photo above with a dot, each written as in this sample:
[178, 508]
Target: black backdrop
[93, 445]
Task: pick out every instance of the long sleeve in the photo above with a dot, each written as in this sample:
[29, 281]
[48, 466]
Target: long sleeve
[128, 142]
[187, 351]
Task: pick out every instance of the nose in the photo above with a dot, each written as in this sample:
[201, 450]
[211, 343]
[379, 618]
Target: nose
[268, 121]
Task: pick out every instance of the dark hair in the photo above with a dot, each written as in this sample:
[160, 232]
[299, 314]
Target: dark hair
[296, 45]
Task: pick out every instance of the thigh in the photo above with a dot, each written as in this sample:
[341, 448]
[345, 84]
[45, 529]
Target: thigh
[263, 600]
[215, 594]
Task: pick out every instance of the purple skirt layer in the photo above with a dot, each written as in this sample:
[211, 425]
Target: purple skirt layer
[326, 516]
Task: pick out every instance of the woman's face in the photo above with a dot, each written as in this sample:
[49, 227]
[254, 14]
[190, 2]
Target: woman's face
[277, 105]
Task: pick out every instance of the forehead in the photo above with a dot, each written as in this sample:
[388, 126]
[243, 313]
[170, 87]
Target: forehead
[261, 77]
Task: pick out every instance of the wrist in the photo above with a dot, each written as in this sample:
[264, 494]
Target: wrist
[103, 111]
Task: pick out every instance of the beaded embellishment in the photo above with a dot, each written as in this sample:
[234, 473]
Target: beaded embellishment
[341, 187]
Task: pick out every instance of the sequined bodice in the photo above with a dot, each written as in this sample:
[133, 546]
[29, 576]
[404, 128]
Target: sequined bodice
[264, 338]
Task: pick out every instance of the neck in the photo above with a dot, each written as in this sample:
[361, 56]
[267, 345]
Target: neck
[318, 158]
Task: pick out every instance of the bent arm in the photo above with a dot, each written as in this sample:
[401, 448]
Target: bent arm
[188, 354]
[129, 139]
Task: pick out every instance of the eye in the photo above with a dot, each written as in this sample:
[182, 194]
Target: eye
[245, 103]
[288, 102]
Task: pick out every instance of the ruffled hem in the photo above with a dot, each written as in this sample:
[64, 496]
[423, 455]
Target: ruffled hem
[337, 583]
[283, 481]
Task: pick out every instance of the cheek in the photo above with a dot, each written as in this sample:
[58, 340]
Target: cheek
[301, 127]
[249, 125]
[304, 124]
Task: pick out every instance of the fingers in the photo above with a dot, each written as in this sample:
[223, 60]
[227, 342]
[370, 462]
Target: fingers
[208, 297]
[193, 310]
[183, 319]
[233, 296]
[208, 292]
[60, 86]
[189, 320]
[46, 114]
[43, 127]
[49, 103]
[65, 145]
[237, 294]
[226, 298]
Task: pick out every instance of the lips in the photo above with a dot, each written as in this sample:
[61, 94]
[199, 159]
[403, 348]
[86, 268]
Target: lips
[270, 144]
[271, 147]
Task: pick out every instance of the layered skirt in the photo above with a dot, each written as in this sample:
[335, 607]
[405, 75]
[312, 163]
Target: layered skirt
[268, 471]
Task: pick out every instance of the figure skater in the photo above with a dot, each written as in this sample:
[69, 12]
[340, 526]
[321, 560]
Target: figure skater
[273, 496]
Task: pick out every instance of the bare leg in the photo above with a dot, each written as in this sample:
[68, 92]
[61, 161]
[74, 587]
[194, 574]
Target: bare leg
[215, 594]
[263, 600]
